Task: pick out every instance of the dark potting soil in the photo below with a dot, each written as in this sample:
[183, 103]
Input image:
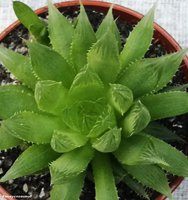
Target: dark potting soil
[38, 186]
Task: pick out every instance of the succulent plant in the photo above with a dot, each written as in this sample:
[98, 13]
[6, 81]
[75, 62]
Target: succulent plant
[84, 99]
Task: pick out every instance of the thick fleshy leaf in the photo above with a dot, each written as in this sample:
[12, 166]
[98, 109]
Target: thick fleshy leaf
[121, 97]
[82, 40]
[60, 31]
[105, 122]
[18, 65]
[50, 96]
[162, 132]
[49, 65]
[68, 191]
[67, 140]
[86, 86]
[105, 187]
[158, 70]
[70, 165]
[144, 149]
[32, 127]
[151, 176]
[15, 98]
[109, 23]
[136, 119]
[137, 150]
[31, 21]
[103, 58]
[167, 104]
[33, 159]
[7, 140]
[123, 176]
[109, 141]
[82, 115]
[177, 161]
[139, 40]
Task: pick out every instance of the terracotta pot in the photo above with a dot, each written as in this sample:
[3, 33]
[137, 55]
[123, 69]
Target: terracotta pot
[160, 35]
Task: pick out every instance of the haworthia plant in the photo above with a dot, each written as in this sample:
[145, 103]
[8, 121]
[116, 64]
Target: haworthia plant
[86, 101]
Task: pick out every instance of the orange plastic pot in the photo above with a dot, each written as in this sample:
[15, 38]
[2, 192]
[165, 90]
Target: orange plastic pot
[130, 16]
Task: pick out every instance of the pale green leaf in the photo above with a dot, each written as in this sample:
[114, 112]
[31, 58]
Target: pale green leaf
[82, 40]
[50, 96]
[49, 65]
[138, 150]
[151, 176]
[136, 119]
[7, 140]
[33, 159]
[167, 104]
[160, 131]
[120, 97]
[109, 23]
[150, 74]
[109, 141]
[15, 98]
[82, 115]
[67, 140]
[178, 87]
[60, 31]
[32, 127]
[177, 161]
[105, 187]
[103, 58]
[18, 65]
[70, 165]
[123, 176]
[86, 86]
[68, 191]
[139, 40]
[31, 21]
[105, 122]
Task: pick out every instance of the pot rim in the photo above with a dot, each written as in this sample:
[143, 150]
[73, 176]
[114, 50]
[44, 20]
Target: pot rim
[105, 5]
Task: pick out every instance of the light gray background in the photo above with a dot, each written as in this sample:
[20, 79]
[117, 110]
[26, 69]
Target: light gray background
[170, 14]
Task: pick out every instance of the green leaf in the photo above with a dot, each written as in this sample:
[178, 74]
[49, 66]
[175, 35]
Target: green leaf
[166, 104]
[50, 96]
[138, 150]
[123, 176]
[7, 140]
[81, 116]
[139, 40]
[68, 191]
[32, 127]
[136, 119]
[82, 40]
[105, 187]
[70, 165]
[121, 97]
[103, 58]
[160, 131]
[60, 31]
[15, 98]
[177, 161]
[182, 87]
[109, 23]
[151, 176]
[18, 65]
[67, 140]
[86, 86]
[159, 70]
[109, 141]
[31, 21]
[49, 65]
[144, 149]
[105, 122]
[33, 159]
